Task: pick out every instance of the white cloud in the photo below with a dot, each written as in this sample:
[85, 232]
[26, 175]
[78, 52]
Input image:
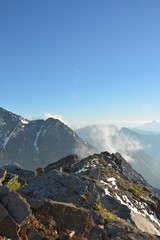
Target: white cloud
[59, 117]
[112, 139]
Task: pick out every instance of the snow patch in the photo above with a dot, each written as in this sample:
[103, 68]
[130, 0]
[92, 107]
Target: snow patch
[45, 130]
[24, 121]
[82, 170]
[7, 138]
[103, 182]
[107, 191]
[125, 201]
[93, 165]
[113, 182]
[36, 143]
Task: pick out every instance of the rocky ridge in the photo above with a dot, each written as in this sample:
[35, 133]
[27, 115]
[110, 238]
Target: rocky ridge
[99, 197]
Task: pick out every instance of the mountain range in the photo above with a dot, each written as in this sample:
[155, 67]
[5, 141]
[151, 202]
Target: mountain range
[58, 195]
[141, 149]
[36, 143]
[152, 127]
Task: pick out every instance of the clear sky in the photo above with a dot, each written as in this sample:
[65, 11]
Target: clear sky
[86, 60]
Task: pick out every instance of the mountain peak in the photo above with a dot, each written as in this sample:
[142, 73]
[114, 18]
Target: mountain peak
[154, 122]
[37, 143]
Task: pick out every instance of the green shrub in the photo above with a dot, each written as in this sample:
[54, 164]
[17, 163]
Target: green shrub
[134, 191]
[83, 198]
[13, 185]
[107, 215]
[42, 228]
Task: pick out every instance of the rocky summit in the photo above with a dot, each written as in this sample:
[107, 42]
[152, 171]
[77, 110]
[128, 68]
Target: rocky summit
[37, 143]
[99, 197]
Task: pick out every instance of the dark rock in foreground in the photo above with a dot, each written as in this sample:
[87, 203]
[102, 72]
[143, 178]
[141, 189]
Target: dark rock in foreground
[97, 198]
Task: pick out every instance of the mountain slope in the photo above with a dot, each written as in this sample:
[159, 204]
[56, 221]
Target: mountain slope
[142, 151]
[151, 126]
[99, 197]
[37, 143]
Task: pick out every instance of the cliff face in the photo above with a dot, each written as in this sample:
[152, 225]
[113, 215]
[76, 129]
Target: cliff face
[98, 197]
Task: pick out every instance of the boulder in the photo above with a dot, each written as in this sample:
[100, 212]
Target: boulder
[60, 186]
[8, 227]
[112, 204]
[63, 164]
[15, 204]
[67, 220]
[15, 169]
[122, 231]
[144, 224]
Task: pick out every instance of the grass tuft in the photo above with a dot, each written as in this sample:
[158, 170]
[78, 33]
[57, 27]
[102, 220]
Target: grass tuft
[13, 185]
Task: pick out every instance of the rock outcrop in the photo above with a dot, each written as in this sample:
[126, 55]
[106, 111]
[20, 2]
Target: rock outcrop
[8, 227]
[97, 198]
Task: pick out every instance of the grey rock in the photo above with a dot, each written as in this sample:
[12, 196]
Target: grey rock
[15, 204]
[121, 231]
[128, 171]
[8, 227]
[63, 164]
[26, 175]
[112, 204]
[32, 234]
[60, 186]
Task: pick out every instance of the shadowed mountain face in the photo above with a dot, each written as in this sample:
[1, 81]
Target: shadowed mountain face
[37, 143]
[140, 149]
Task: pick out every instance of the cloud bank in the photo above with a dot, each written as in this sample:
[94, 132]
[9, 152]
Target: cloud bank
[112, 139]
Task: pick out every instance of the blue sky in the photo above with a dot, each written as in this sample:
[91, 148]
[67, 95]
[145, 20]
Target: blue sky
[86, 60]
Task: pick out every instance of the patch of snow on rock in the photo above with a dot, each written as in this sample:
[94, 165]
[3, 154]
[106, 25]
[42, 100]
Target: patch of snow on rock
[113, 182]
[36, 142]
[103, 182]
[107, 191]
[82, 170]
[7, 138]
[45, 130]
[124, 200]
[93, 165]
[24, 121]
